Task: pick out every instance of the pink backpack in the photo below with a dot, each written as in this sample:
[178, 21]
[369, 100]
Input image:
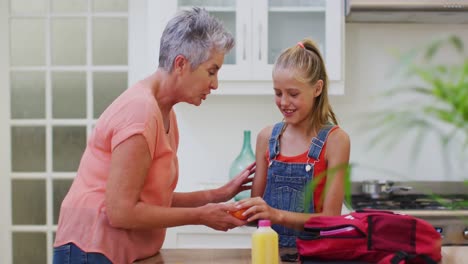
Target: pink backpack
[370, 236]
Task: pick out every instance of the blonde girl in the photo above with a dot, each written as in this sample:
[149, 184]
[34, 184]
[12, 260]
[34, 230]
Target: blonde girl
[305, 144]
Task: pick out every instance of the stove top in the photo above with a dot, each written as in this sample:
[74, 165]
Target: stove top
[412, 202]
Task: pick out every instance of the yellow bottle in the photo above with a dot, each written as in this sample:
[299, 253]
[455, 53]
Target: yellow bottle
[265, 244]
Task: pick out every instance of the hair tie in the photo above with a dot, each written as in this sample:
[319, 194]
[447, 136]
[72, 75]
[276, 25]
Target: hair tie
[300, 44]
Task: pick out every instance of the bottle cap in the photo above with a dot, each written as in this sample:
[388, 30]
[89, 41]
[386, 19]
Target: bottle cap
[264, 223]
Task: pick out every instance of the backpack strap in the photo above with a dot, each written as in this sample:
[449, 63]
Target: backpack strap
[403, 256]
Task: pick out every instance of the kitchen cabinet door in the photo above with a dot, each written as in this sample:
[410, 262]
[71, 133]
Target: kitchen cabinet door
[231, 12]
[262, 29]
[279, 24]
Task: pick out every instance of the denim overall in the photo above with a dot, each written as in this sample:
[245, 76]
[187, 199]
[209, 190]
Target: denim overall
[286, 182]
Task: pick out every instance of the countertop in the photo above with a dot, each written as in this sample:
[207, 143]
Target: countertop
[435, 213]
[450, 255]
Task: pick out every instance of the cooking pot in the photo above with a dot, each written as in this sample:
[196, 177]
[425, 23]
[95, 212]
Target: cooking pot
[381, 190]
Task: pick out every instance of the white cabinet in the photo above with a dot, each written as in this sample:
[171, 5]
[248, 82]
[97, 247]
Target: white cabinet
[262, 29]
[205, 237]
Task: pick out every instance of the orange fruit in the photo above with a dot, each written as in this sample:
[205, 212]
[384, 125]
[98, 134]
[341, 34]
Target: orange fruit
[238, 214]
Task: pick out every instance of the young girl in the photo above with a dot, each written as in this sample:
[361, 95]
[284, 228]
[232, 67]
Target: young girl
[291, 153]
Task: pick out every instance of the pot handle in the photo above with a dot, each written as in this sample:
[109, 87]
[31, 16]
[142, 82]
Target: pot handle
[399, 188]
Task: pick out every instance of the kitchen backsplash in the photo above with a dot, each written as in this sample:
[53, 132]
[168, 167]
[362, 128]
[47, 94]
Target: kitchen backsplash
[211, 135]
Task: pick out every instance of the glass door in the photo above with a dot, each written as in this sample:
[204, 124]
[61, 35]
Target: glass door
[66, 61]
[262, 29]
[224, 11]
[235, 15]
[283, 24]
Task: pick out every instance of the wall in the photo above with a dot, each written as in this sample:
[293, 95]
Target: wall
[368, 67]
[211, 135]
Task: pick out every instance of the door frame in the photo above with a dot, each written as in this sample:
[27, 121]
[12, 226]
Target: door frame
[5, 150]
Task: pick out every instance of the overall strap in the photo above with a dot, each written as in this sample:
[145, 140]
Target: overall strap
[318, 142]
[273, 144]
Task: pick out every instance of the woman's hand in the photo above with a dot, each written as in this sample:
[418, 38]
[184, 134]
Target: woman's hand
[258, 209]
[217, 217]
[238, 184]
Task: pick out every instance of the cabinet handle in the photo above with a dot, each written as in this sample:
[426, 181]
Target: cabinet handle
[260, 41]
[244, 52]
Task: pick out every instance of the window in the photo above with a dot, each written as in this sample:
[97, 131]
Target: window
[67, 61]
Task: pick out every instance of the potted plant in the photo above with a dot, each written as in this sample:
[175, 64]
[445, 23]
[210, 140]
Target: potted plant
[432, 99]
[442, 105]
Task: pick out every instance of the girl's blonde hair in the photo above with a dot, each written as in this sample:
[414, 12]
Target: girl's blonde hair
[305, 59]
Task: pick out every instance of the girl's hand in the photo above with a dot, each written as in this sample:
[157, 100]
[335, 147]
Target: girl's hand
[239, 183]
[257, 209]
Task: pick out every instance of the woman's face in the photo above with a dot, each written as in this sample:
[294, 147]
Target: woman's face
[203, 79]
[293, 98]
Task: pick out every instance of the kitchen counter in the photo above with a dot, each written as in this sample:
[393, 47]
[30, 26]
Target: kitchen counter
[435, 213]
[450, 255]
[204, 256]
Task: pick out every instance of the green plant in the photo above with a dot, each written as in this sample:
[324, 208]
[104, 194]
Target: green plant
[433, 98]
[441, 105]
[310, 186]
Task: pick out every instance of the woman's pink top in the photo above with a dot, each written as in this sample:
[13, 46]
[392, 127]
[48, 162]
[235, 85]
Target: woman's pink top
[83, 218]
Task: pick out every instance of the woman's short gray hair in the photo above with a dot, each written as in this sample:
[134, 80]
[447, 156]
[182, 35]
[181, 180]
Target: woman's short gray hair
[194, 34]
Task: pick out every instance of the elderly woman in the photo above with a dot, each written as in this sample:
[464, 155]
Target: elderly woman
[122, 199]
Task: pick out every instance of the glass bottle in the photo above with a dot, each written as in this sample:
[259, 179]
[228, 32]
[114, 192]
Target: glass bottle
[244, 159]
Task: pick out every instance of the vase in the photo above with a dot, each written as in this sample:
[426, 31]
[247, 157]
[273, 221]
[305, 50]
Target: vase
[244, 159]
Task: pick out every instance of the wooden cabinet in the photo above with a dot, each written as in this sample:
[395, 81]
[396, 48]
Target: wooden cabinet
[262, 29]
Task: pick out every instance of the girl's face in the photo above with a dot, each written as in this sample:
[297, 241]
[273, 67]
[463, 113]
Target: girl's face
[294, 98]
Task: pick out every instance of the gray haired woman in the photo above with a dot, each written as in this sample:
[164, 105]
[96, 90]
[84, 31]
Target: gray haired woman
[122, 199]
